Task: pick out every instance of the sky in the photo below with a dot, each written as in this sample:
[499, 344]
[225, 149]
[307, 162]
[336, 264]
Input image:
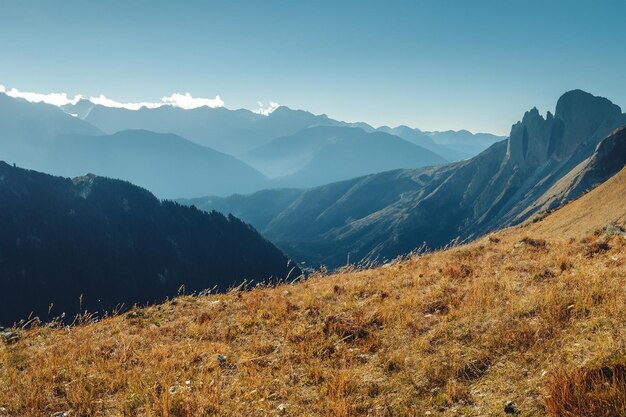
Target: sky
[435, 65]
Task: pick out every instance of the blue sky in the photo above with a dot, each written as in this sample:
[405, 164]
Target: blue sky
[430, 64]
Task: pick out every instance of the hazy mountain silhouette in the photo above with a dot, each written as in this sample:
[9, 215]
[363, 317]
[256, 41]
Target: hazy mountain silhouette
[230, 131]
[392, 213]
[166, 164]
[325, 154]
[240, 131]
[43, 137]
[26, 129]
[113, 242]
[452, 145]
[464, 142]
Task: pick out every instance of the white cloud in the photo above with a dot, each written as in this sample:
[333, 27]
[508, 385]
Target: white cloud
[107, 102]
[186, 101]
[57, 99]
[2, 89]
[266, 110]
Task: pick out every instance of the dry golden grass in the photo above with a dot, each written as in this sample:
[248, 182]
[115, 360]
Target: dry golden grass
[458, 332]
[534, 315]
[588, 392]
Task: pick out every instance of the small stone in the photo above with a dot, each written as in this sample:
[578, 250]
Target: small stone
[613, 230]
[60, 414]
[509, 408]
[282, 408]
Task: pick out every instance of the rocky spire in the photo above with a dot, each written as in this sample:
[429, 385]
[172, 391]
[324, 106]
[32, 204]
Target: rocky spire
[579, 117]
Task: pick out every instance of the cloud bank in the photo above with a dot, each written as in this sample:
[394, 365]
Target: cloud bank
[184, 101]
[107, 102]
[266, 110]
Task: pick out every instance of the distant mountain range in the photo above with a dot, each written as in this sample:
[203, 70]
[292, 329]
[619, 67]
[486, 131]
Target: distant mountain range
[230, 131]
[239, 131]
[26, 129]
[325, 154]
[93, 243]
[451, 145]
[385, 215]
[178, 153]
[166, 164]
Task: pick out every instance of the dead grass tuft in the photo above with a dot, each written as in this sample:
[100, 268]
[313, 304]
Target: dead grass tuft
[587, 392]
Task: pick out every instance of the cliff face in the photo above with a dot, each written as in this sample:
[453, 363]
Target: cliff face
[580, 117]
[585, 117]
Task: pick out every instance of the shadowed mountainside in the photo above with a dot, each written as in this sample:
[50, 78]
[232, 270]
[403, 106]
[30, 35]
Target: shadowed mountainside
[93, 243]
[602, 206]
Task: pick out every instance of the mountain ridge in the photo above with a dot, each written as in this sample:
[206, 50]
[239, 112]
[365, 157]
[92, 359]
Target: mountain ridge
[167, 164]
[323, 154]
[436, 205]
[239, 131]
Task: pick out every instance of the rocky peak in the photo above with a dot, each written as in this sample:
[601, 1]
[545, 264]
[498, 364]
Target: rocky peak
[583, 114]
[532, 140]
[579, 117]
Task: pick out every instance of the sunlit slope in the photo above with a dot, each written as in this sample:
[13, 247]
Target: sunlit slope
[604, 205]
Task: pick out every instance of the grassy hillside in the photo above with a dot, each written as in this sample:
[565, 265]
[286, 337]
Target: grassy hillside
[605, 205]
[521, 316]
